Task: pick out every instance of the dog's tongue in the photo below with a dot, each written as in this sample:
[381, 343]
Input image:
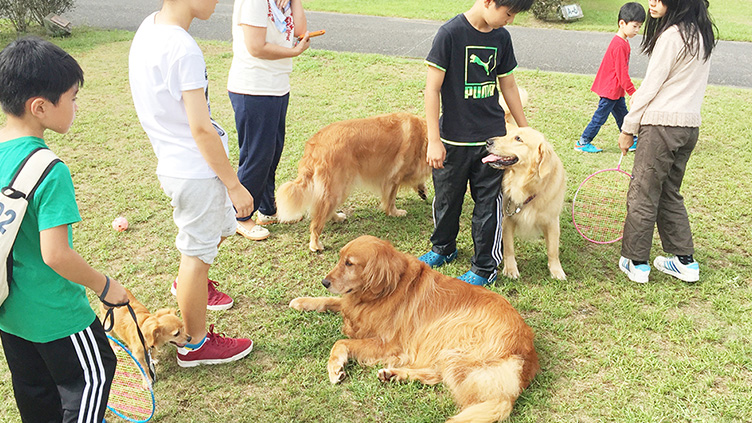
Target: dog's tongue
[491, 158]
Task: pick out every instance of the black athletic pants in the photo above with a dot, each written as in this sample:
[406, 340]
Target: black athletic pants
[462, 165]
[66, 380]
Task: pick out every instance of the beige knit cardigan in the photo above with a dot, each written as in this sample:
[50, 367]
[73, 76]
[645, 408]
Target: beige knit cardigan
[673, 89]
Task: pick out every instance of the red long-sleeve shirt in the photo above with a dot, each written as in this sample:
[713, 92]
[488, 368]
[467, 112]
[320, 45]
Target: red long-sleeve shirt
[612, 80]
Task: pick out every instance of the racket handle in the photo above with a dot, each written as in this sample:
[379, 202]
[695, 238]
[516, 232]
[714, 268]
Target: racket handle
[618, 166]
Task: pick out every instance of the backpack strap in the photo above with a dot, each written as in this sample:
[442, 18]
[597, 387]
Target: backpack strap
[31, 173]
[21, 188]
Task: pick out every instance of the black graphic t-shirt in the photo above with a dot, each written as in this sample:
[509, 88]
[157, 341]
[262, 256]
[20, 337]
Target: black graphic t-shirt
[472, 60]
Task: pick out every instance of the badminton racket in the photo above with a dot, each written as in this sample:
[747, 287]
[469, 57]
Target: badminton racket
[599, 206]
[129, 398]
[131, 392]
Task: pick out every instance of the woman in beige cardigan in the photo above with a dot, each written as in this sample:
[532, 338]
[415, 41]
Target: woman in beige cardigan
[665, 114]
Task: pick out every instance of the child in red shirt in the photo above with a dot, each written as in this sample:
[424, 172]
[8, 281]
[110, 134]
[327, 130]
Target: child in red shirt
[612, 80]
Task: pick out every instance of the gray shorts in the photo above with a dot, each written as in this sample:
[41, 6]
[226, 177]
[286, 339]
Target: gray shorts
[203, 213]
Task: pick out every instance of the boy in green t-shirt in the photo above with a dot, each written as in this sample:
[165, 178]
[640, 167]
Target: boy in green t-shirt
[60, 361]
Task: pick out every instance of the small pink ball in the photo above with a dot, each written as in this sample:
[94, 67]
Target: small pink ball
[120, 224]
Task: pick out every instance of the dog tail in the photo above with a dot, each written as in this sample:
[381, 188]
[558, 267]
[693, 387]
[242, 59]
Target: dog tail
[487, 393]
[294, 197]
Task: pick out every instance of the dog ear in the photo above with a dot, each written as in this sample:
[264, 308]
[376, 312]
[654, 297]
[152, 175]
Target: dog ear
[150, 328]
[383, 269]
[544, 160]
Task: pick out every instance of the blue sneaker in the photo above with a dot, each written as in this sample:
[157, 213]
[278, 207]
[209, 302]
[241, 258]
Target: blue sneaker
[636, 273]
[435, 260]
[473, 279]
[586, 148]
[634, 145]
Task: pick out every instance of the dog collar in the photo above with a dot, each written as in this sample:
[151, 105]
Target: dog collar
[507, 213]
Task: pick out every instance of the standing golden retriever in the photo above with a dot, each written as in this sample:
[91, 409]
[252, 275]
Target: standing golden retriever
[533, 193]
[382, 152]
[428, 327]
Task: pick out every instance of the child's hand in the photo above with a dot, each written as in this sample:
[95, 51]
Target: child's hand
[281, 4]
[435, 155]
[303, 44]
[115, 294]
[625, 141]
[241, 200]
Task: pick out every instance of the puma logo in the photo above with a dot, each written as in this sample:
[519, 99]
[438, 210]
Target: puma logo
[475, 59]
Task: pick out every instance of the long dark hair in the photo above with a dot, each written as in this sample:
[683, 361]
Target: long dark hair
[693, 21]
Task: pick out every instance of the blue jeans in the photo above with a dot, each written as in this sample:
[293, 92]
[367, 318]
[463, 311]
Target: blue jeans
[260, 121]
[617, 108]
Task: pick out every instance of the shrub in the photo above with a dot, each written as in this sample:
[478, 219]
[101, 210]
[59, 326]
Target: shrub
[22, 12]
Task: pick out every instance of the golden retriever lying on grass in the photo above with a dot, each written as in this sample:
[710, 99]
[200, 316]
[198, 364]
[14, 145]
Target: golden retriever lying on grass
[382, 152]
[428, 327]
[533, 193]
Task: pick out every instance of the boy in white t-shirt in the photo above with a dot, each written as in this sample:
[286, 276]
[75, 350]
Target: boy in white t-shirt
[264, 34]
[169, 85]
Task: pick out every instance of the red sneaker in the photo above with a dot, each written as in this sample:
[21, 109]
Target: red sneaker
[216, 349]
[217, 300]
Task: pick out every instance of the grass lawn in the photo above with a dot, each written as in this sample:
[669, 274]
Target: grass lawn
[733, 17]
[610, 350]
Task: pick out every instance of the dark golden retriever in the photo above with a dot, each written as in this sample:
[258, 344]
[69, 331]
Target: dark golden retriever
[533, 193]
[382, 153]
[422, 325]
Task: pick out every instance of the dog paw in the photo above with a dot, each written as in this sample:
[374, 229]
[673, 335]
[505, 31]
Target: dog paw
[339, 217]
[298, 304]
[316, 246]
[336, 374]
[511, 272]
[398, 213]
[387, 375]
[558, 274]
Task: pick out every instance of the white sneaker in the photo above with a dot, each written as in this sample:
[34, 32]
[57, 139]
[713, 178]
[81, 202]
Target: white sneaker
[637, 273]
[672, 266]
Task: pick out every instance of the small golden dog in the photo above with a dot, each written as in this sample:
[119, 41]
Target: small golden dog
[158, 328]
[427, 327]
[382, 152]
[533, 193]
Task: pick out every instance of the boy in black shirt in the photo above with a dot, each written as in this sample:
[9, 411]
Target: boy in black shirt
[469, 53]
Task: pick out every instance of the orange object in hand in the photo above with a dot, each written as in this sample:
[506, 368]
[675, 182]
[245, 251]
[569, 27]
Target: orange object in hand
[314, 34]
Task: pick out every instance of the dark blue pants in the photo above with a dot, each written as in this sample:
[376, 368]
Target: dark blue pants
[260, 121]
[617, 108]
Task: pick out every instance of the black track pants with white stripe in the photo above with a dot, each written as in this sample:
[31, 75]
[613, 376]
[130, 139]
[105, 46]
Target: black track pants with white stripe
[66, 380]
[462, 165]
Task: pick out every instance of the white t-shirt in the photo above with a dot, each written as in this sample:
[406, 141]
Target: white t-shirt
[251, 75]
[164, 61]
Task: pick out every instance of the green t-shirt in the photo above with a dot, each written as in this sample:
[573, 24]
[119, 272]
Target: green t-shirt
[41, 306]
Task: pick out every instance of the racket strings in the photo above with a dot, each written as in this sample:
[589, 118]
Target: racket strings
[129, 398]
[599, 209]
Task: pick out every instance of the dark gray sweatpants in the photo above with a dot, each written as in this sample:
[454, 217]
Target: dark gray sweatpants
[654, 198]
